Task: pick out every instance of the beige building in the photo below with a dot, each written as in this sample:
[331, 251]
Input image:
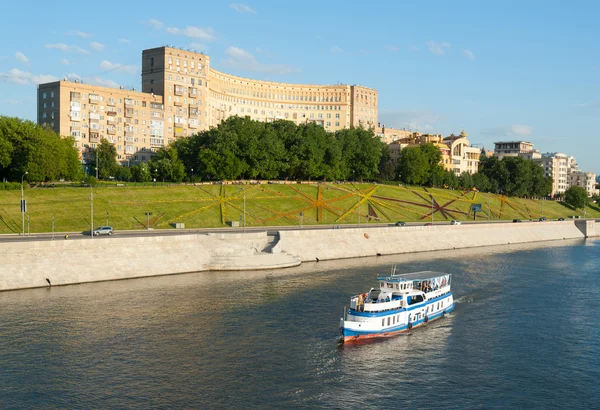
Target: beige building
[133, 121]
[523, 149]
[586, 180]
[556, 165]
[457, 153]
[182, 95]
[390, 135]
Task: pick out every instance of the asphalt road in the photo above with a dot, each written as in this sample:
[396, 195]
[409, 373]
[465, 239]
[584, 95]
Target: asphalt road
[271, 231]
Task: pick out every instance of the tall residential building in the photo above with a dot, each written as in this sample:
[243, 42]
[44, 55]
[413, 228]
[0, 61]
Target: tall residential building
[556, 165]
[181, 95]
[586, 180]
[523, 149]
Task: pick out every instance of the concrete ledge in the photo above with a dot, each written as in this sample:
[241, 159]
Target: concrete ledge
[311, 245]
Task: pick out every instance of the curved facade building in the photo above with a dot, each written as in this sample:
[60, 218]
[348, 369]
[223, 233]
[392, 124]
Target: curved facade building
[186, 80]
[181, 95]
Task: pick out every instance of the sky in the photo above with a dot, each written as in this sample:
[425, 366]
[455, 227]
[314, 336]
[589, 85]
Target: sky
[500, 70]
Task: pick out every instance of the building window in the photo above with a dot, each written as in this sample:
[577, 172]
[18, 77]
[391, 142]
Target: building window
[152, 61]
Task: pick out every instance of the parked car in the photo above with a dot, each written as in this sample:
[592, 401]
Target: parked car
[543, 218]
[103, 230]
[428, 224]
[561, 219]
[516, 220]
[455, 222]
[400, 223]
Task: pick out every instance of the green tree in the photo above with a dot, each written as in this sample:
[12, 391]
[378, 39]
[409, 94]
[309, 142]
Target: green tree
[481, 182]
[576, 197]
[450, 179]
[413, 166]
[141, 172]
[465, 180]
[105, 155]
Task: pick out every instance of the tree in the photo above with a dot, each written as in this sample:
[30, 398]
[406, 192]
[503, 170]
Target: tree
[481, 182]
[105, 155]
[465, 180]
[413, 166]
[576, 197]
[596, 199]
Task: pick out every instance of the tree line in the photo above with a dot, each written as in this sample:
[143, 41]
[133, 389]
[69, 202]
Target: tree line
[241, 148]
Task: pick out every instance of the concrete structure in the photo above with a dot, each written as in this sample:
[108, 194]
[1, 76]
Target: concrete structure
[30, 264]
[523, 149]
[181, 95]
[311, 245]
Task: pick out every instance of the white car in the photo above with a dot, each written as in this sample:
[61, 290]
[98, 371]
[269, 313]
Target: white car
[103, 230]
[455, 222]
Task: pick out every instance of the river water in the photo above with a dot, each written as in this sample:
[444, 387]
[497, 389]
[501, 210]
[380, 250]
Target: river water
[525, 334]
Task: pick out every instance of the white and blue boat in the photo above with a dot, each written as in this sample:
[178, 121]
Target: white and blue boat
[401, 303]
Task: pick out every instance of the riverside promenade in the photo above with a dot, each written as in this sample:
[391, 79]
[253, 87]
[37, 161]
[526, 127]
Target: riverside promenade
[32, 264]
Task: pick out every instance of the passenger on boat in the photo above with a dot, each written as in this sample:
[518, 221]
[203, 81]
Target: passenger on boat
[360, 304]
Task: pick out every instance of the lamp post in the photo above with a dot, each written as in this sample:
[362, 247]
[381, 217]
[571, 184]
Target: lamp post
[432, 209]
[91, 210]
[23, 206]
[358, 207]
[96, 163]
[192, 175]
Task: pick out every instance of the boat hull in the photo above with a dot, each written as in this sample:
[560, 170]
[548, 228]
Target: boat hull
[352, 336]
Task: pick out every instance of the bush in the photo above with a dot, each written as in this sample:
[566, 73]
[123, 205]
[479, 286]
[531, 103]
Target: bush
[11, 186]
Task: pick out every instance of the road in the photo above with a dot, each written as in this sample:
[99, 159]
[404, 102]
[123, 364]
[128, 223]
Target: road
[271, 231]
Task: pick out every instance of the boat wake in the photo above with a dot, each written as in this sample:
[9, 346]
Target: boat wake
[464, 299]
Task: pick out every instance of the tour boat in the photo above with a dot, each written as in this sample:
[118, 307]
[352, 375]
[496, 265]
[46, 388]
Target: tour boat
[401, 303]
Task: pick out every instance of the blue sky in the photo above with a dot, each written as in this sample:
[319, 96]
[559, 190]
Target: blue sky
[499, 70]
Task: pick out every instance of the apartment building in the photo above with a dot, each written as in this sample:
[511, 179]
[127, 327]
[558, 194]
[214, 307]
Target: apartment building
[133, 121]
[586, 180]
[523, 149]
[182, 95]
[556, 165]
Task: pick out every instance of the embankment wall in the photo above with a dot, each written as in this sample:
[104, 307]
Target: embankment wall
[310, 245]
[28, 264]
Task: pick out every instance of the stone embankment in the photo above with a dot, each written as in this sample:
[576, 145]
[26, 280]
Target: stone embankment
[314, 245]
[30, 264]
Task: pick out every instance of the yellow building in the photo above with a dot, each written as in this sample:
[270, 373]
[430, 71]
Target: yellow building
[181, 95]
[457, 153]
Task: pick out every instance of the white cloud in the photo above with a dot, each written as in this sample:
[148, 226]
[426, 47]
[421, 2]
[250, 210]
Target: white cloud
[78, 34]
[97, 46]
[243, 60]
[409, 120]
[67, 48]
[336, 49]
[198, 46]
[12, 102]
[157, 25]
[509, 131]
[193, 32]
[392, 48]
[21, 57]
[469, 54]
[94, 80]
[124, 40]
[242, 8]
[437, 48]
[65, 61]
[17, 76]
[119, 68]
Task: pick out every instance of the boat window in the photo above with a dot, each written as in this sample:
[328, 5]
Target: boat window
[397, 286]
[382, 284]
[388, 321]
[390, 285]
[393, 320]
[383, 322]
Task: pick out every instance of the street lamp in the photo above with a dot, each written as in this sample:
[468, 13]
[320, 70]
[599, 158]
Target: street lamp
[23, 206]
[91, 210]
[192, 174]
[244, 192]
[432, 209]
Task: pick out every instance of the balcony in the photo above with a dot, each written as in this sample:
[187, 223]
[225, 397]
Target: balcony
[111, 102]
[194, 112]
[94, 137]
[129, 103]
[111, 130]
[75, 96]
[178, 131]
[179, 90]
[75, 116]
[128, 112]
[177, 103]
[193, 92]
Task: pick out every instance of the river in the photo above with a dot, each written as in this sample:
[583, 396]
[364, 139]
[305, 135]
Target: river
[525, 334]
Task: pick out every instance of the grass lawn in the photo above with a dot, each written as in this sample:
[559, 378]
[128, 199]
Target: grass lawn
[207, 206]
